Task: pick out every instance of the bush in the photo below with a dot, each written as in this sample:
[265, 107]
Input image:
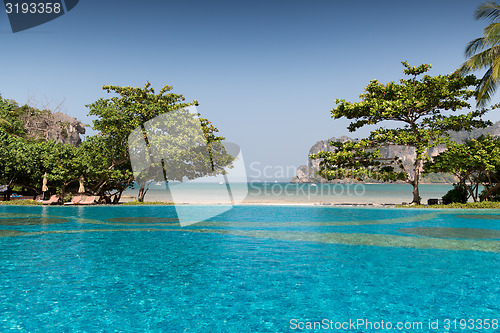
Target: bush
[456, 195]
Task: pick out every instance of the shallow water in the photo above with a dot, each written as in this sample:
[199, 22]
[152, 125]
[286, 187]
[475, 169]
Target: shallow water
[251, 269]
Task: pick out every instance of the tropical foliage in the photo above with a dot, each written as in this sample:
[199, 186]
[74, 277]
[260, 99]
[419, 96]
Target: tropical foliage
[484, 52]
[103, 159]
[474, 163]
[422, 107]
[119, 116]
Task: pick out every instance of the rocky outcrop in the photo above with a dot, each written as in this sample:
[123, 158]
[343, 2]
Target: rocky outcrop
[309, 173]
[54, 126]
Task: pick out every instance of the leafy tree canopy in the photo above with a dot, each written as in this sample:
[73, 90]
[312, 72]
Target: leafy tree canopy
[129, 110]
[422, 107]
[10, 117]
[474, 163]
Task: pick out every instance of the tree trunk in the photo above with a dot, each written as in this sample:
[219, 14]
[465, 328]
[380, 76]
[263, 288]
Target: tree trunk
[8, 193]
[117, 197]
[416, 193]
[416, 179]
[63, 192]
[470, 189]
[142, 191]
[490, 191]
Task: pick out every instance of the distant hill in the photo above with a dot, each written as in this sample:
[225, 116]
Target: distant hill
[308, 173]
[462, 136]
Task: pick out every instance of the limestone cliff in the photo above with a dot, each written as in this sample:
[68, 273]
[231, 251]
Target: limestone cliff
[57, 126]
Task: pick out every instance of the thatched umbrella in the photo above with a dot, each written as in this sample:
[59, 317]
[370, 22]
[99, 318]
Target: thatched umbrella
[44, 183]
[81, 189]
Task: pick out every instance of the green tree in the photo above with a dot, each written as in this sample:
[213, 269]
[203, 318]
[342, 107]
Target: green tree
[474, 163]
[420, 106]
[10, 117]
[63, 164]
[24, 162]
[105, 175]
[484, 52]
[119, 116]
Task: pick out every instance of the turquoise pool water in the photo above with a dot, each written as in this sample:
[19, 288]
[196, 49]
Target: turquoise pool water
[251, 269]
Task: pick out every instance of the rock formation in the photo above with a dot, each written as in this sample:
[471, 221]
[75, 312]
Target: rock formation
[53, 126]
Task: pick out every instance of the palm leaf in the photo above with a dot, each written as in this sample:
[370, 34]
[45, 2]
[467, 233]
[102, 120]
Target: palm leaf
[481, 60]
[485, 88]
[489, 10]
[474, 46]
[484, 53]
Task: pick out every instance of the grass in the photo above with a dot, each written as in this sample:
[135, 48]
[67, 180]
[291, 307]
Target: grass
[137, 203]
[469, 205]
[20, 203]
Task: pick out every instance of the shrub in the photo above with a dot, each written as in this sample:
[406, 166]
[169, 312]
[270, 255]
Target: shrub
[458, 194]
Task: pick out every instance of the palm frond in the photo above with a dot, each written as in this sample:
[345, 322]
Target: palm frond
[474, 46]
[491, 35]
[484, 53]
[489, 11]
[488, 84]
[481, 60]
[485, 88]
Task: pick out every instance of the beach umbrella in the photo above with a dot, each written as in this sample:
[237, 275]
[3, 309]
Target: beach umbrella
[44, 183]
[81, 189]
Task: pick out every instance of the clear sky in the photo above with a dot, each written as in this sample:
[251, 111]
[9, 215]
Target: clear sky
[266, 73]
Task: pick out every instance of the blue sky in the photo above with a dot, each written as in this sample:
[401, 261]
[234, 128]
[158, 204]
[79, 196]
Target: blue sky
[266, 73]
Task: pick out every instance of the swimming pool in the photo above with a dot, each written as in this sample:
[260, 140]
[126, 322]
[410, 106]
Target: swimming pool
[251, 269]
